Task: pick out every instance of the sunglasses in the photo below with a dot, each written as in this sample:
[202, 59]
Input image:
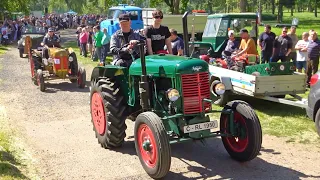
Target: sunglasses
[284, 31]
[157, 17]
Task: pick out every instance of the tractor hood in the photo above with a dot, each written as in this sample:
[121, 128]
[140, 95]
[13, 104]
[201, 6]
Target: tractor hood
[169, 65]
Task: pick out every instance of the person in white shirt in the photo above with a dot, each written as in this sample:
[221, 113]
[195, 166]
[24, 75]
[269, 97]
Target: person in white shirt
[302, 54]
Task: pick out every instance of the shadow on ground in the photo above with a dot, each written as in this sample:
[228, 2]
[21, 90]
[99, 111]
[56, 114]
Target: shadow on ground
[65, 86]
[212, 160]
[8, 166]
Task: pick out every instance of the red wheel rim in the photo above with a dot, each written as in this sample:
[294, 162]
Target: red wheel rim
[97, 113]
[237, 144]
[147, 145]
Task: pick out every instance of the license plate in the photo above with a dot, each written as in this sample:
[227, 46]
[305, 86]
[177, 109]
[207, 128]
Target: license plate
[200, 126]
[56, 61]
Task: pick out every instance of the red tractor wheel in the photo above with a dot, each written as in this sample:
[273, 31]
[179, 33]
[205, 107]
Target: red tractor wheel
[152, 144]
[81, 78]
[108, 112]
[246, 142]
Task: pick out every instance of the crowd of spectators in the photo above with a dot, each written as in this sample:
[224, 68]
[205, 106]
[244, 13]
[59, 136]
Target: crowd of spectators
[12, 29]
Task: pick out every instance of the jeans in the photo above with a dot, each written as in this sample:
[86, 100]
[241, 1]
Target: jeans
[265, 56]
[282, 58]
[83, 47]
[105, 50]
[97, 54]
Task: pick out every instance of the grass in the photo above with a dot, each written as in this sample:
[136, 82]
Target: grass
[3, 49]
[14, 161]
[306, 22]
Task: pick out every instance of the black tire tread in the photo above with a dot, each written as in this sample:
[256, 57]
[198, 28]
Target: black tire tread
[116, 108]
[317, 121]
[162, 139]
[247, 111]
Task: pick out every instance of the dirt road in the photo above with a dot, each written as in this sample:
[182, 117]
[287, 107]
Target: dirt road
[58, 132]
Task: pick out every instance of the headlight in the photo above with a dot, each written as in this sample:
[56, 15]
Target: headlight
[23, 43]
[173, 94]
[218, 88]
[70, 58]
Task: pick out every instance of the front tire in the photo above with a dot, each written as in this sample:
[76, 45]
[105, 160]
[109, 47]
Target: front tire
[246, 143]
[81, 78]
[152, 144]
[108, 112]
[40, 80]
[317, 121]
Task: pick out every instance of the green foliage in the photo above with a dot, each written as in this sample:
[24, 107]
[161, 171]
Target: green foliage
[269, 17]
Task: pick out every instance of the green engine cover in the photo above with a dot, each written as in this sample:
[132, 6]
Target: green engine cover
[271, 69]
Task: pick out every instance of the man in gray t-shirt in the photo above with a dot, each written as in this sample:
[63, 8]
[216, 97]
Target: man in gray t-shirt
[282, 47]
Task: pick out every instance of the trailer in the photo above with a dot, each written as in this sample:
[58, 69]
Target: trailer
[272, 88]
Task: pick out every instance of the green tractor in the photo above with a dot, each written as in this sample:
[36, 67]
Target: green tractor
[215, 35]
[168, 98]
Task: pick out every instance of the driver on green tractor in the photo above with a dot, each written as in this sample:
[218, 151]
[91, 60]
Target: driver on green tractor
[123, 41]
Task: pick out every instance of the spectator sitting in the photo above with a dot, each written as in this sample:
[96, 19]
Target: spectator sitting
[232, 45]
[247, 45]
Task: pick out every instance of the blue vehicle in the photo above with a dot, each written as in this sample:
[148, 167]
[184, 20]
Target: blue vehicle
[112, 21]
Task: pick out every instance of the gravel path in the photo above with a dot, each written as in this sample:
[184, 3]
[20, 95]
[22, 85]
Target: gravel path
[56, 126]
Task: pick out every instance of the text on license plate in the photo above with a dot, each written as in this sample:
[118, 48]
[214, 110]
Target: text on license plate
[200, 126]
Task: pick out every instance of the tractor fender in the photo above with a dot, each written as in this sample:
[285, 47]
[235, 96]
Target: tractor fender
[108, 71]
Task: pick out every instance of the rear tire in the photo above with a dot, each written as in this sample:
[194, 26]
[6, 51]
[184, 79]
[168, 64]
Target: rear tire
[246, 143]
[317, 121]
[152, 144]
[73, 67]
[108, 112]
[81, 78]
[40, 80]
[21, 51]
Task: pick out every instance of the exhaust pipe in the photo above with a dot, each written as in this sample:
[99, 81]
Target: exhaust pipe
[185, 33]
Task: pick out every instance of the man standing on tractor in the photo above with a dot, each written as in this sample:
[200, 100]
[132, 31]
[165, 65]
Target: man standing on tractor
[123, 41]
[247, 45]
[158, 35]
[49, 40]
[265, 42]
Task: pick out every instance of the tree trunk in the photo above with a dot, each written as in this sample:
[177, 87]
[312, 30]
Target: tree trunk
[315, 8]
[292, 6]
[243, 5]
[273, 4]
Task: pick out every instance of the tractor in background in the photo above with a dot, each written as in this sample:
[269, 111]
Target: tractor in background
[168, 98]
[61, 64]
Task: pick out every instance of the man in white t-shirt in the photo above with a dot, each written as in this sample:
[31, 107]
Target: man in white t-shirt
[302, 54]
